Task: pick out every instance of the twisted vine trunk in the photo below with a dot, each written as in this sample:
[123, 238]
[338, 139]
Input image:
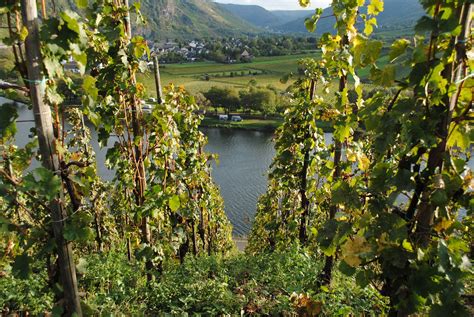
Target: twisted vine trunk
[304, 198]
[195, 249]
[426, 210]
[326, 274]
[420, 208]
[140, 174]
[44, 127]
[209, 234]
[156, 68]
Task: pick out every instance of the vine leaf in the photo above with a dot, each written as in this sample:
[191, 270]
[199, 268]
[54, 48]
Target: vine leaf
[353, 248]
[304, 3]
[398, 48]
[82, 4]
[8, 115]
[375, 7]
[21, 266]
[174, 203]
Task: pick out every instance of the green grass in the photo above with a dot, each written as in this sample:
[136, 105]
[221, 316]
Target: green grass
[190, 75]
[246, 124]
[260, 285]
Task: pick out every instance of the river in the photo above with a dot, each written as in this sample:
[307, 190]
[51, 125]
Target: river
[241, 174]
[244, 159]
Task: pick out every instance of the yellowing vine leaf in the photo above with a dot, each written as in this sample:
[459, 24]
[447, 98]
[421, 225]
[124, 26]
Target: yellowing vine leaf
[369, 26]
[407, 245]
[443, 225]
[375, 7]
[353, 248]
[304, 3]
[23, 33]
[174, 203]
[363, 162]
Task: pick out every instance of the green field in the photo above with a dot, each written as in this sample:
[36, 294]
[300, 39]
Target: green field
[265, 70]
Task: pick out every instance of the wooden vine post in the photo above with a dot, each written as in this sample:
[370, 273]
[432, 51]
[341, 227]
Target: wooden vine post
[44, 128]
[156, 68]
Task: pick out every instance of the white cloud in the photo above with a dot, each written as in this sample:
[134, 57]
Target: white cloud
[279, 4]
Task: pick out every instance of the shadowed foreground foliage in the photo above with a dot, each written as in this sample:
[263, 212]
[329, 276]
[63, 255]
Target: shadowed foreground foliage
[280, 283]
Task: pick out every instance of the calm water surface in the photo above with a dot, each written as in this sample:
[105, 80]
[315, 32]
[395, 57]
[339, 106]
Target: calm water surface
[244, 159]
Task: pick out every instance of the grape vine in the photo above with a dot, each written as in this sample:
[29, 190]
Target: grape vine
[392, 195]
[162, 202]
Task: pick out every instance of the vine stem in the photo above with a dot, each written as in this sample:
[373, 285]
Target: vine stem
[426, 210]
[326, 274]
[140, 176]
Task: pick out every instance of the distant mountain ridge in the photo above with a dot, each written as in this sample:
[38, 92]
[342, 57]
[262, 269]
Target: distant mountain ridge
[189, 19]
[182, 19]
[263, 18]
[396, 14]
[252, 14]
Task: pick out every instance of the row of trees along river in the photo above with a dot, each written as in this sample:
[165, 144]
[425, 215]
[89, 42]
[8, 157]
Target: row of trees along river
[338, 199]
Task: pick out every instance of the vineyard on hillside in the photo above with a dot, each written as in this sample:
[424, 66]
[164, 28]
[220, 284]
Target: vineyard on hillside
[377, 222]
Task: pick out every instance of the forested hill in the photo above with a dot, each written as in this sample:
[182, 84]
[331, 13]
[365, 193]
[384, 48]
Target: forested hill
[183, 19]
[397, 15]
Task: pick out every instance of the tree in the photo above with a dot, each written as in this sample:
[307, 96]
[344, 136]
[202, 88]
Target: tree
[227, 98]
[262, 100]
[202, 101]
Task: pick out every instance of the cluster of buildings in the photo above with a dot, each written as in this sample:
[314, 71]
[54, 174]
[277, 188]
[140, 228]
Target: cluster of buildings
[195, 49]
[190, 51]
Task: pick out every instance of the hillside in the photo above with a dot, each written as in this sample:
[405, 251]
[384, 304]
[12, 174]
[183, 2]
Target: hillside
[286, 16]
[188, 19]
[183, 19]
[398, 14]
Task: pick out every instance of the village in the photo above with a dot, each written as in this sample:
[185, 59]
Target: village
[170, 51]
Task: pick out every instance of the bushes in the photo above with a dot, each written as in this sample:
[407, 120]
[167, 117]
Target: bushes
[112, 284]
[280, 283]
[32, 295]
[262, 284]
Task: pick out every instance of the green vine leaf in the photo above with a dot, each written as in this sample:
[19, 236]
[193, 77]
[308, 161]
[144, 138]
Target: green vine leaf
[398, 48]
[21, 266]
[174, 203]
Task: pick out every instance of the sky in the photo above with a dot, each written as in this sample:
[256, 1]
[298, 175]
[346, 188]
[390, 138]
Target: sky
[279, 4]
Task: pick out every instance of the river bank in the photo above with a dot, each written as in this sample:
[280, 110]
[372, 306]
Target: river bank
[240, 242]
[265, 125]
